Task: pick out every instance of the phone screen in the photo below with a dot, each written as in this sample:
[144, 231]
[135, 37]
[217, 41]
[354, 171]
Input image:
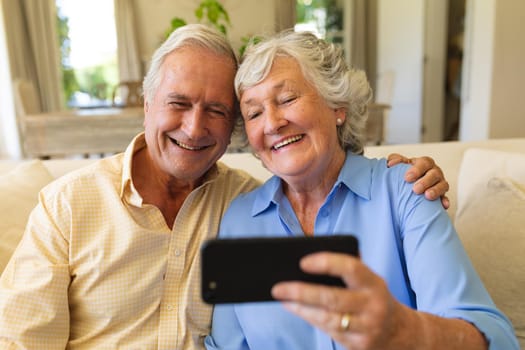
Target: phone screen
[245, 269]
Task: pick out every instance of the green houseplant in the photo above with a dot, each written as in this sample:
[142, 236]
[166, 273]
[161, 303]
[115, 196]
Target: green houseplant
[213, 13]
[210, 12]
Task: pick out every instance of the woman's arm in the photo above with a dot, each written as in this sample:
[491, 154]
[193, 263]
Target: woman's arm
[377, 320]
[438, 272]
[226, 333]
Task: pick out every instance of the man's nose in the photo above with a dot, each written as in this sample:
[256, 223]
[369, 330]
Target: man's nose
[194, 123]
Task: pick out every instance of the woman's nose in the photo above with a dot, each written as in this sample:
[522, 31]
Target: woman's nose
[274, 121]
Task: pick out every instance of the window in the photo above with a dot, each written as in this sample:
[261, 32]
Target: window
[88, 44]
[324, 18]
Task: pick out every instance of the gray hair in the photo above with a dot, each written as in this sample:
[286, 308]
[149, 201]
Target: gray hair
[198, 35]
[323, 65]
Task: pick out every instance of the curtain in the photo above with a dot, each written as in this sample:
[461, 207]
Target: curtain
[32, 43]
[129, 64]
[284, 14]
[364, 38]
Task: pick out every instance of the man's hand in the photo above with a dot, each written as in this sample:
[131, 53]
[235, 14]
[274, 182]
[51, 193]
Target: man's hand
[429, 176]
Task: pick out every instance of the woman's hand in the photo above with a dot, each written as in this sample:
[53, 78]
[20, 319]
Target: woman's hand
[429, 176]
[362, 316]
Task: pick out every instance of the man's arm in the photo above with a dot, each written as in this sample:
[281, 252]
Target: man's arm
[427, 176]
[34, 306]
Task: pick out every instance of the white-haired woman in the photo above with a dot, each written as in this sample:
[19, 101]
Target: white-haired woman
[413, 286]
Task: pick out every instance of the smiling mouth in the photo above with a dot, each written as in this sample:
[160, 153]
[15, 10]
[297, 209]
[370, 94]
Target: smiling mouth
[186, 146]
[286, 142]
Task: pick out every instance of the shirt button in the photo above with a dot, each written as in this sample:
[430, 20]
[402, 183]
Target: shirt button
[177, 252]
[169, 307]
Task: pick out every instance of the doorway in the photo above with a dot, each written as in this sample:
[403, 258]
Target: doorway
[455, 46]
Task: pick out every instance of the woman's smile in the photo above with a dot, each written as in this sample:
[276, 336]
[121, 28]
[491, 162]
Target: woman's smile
[287, 141]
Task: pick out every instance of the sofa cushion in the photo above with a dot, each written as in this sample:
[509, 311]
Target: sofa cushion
[491, 223]
[19, 192]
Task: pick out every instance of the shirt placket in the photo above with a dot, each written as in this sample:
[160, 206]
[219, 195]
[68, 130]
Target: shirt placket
[169, 328]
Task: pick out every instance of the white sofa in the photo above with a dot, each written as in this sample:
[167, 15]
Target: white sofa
[487, 193]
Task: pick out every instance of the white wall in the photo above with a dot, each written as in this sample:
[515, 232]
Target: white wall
[400, 50]
[491, 106]
[435, 42]
[492, 91]
[476, 88]
[507, 113]
[493, 69]
[248, 17]
[494, 74]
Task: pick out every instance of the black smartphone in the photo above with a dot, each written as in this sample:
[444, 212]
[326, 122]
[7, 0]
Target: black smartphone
[245, 269]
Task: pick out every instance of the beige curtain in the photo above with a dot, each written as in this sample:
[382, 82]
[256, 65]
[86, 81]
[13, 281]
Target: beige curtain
[129, 64]
[32, 43]
[364, 37]
[284, 14]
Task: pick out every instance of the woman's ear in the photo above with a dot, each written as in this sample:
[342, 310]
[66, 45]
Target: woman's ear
[340, 115]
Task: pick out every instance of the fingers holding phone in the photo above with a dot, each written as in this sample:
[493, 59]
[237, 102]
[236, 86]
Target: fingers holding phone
[329, 299]
[356, 314]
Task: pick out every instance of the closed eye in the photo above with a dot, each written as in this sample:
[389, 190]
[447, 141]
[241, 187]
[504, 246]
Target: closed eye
[218, 113]
[179, 104]
[253, 115]
[248, 115]
[218, 110]
[288, 99]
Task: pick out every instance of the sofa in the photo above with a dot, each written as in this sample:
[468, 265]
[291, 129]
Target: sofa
[487, 194]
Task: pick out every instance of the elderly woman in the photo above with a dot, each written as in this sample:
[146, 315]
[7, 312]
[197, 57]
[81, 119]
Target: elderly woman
[413, 286]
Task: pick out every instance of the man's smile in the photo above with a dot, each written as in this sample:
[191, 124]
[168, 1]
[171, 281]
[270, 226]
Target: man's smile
[187, 146]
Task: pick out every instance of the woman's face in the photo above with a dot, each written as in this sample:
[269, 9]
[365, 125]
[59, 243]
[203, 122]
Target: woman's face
[289, 125]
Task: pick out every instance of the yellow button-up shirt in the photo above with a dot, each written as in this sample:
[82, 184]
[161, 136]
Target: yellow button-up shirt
[98, 269]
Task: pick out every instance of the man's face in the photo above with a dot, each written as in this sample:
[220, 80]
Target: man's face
[189, 121]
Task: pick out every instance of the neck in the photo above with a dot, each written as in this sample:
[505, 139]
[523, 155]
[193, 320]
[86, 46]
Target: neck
[158, 188]
[307, 197]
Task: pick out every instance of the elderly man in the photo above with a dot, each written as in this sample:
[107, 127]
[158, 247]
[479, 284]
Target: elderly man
[109, 258]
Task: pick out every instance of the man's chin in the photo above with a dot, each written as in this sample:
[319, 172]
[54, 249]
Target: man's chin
[191, 167]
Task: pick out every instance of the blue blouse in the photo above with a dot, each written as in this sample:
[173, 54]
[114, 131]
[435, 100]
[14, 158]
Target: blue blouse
[409, 241]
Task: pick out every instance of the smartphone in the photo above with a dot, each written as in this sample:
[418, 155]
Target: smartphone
[245, 269]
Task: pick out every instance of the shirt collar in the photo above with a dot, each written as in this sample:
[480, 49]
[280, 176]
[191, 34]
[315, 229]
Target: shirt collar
[355, 175]
[127, 189]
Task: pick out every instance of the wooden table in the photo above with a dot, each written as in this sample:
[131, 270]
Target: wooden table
[82, 131]
[109, 130]
[375, 125]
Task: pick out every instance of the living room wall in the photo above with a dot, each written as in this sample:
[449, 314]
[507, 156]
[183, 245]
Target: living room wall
[492, 95]
[153, 19]
[492, 103]
[507, 115]
[492, 89]
[247, 17]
